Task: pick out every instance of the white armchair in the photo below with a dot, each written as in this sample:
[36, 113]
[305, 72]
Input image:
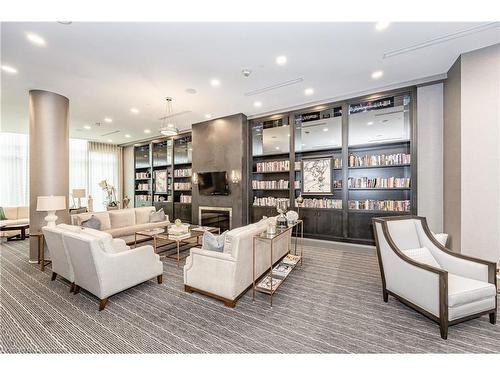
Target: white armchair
[446, 287]
[105, 273]
[61, 264]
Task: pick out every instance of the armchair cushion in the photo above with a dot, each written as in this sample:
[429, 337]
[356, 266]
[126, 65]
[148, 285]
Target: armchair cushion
[213, 242]
[422, 255]
[462, 290]
[93, 223]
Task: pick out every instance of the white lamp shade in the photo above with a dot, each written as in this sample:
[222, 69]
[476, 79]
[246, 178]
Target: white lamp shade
[79, 193]
[51, 203]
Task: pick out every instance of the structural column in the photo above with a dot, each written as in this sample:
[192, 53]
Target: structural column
[48, 155]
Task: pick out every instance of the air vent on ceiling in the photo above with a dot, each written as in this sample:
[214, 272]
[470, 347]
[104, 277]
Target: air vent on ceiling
[274, 87]
[110, 133]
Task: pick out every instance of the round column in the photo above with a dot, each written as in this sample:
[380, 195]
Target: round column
[48, 156]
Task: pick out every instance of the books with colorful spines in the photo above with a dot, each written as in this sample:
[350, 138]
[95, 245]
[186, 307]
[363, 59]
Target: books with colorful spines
[265, 283]
[282, 269]
[291, 259]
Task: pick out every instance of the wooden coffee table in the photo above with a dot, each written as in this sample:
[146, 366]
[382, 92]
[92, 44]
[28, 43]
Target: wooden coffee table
[14, 227]
[161, 238]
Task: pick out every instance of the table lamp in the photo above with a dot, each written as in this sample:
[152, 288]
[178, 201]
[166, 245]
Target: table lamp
[79, 193]
[51, 204]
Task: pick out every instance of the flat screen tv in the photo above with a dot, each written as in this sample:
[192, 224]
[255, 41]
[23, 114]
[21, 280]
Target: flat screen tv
[213, 183]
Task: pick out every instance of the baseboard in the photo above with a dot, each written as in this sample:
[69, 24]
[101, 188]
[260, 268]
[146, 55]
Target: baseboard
[335, 245]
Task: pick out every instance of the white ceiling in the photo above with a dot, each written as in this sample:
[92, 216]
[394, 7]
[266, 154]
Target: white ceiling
[107, 68]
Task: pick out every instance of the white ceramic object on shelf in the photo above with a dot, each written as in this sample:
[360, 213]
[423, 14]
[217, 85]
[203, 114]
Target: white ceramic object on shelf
[292, 217]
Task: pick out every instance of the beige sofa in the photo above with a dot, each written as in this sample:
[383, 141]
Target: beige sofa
[227, 275]
[14, 215]
[122, 223]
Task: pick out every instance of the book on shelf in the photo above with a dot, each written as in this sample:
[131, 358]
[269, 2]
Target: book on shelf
[337, 163]
[280, 184]
[282, 269]
[185, 198]
[378, 182]
[183, 172]
[380, 205]
[142, 186]
[141, 175]
[266, 284]
[320, 203]
[291, 259]
[269, 201]
[273, 166]
[182, 185]
[379, 160]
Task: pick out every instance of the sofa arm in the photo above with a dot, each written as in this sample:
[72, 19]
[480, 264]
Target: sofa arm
[211, 271]
[128, 268]
[119, 245]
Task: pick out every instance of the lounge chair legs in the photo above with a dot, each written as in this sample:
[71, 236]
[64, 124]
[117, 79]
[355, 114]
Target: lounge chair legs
[159, 278]
[102, 304]
[76, 289]
[72, 288]
[54, 275]
[493, 318]
[385, 295]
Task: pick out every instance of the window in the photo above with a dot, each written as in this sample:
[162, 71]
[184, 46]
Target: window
[15, 170]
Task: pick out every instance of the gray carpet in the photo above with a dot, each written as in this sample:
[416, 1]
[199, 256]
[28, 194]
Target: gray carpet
[332, 304]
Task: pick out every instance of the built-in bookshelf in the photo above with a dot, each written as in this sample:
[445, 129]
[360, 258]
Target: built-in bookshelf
[163, 175]
[362, 151]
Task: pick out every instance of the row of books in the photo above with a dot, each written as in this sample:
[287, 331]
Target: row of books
[269, 201]
[142, 186]
[280, 184]
[378, 182]
[320, 203]
[162, 198]
[380, 205]
[337, 184]
[273, 166]
[378, 160]
[279, 273]
[183, 172]
[185, 198]
[143, 197]
[182, 185]
[141, 175]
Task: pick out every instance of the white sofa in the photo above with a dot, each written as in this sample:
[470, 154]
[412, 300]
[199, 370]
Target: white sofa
[122, 223]
[447, 287]
[14, 215]
[227, 275]
[103, 271]
[61, 263]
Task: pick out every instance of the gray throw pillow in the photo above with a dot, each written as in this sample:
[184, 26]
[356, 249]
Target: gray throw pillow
[158, 216]
[213, 242]
[93, 223]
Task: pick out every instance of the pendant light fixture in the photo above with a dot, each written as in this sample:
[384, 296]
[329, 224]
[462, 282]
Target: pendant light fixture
[167, 126]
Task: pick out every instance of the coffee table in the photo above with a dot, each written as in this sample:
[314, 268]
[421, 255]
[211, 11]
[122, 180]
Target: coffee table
[14, 227]
[161, 238]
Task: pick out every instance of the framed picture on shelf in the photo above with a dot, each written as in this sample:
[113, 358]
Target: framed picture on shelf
[317, 176]
[161, 181]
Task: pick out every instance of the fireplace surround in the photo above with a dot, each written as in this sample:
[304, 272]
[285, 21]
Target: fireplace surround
[220, 217]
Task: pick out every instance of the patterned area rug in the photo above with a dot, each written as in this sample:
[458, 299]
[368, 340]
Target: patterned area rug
[332, 304]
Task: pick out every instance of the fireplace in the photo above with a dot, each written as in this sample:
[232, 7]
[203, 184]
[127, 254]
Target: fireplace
[220, 217]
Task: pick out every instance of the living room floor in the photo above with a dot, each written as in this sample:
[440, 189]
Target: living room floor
[332, 304]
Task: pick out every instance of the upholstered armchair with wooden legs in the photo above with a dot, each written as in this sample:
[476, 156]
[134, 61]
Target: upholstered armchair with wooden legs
[103, 272]
[446, 287]
[59, 256]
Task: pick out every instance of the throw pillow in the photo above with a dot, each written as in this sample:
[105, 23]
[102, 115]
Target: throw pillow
[422, 255]
[213, 242]
[158, 216]
[2, 214]
[93, 223]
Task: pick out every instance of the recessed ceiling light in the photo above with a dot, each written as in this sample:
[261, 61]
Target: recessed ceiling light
[257, 104]
[277, 147]
[208, 115]
[9, 69]
[325, 129]
[191, 91]
[65, 22]
[36, 39]
[107, 119]
[382, 25]
[369, 123]
[147, 131]
[110, 140]
[87, 127]
[309, 91]
[134, 110]
[215, 82]
[281, 60]
[377, 74]
[127, 135]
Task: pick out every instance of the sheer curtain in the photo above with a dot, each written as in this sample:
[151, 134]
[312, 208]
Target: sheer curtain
[78, 168]
[104, 164]
[14, 168]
